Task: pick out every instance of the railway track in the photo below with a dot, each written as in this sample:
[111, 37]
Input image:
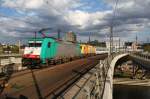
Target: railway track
[26, 71]
[48, 82]
[78, 74]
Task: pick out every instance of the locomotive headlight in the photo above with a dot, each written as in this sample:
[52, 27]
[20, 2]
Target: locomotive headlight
[38, 56]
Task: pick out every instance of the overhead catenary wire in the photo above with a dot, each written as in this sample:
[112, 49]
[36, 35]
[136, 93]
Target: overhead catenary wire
[111, 27]
[114, 11]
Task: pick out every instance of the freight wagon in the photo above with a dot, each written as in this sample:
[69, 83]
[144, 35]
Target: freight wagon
[47, 50]
[84, 49]
[87, 49]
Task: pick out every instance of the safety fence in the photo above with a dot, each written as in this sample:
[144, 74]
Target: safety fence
[143, 56]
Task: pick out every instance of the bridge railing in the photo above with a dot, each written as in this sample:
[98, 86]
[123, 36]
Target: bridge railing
[143, 56]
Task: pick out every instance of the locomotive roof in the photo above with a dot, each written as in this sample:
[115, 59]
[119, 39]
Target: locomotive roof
[37, 39]
[41, 39]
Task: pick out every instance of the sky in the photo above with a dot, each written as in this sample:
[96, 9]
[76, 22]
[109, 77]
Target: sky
[19, 19]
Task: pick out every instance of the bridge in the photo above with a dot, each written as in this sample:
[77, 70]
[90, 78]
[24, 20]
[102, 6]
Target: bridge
[104, 71]
[87, 79]
[141, 61]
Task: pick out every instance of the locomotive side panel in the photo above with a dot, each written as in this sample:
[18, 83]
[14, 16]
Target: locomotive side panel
[49, 47]
[66, 50]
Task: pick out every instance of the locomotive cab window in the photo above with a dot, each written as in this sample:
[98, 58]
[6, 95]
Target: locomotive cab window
[35, 44]
[49, 44]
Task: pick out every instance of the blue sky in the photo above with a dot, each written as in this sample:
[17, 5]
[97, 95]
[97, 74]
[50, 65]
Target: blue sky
[8, 11]
[94, 5]
[20, 17]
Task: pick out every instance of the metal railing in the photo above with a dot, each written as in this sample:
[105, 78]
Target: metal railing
[142, 56]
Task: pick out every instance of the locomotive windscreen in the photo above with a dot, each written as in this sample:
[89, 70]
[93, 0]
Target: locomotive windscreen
[35, 43]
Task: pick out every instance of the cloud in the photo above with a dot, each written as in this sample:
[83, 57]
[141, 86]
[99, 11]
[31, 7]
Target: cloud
[23, 4]
[132, 16]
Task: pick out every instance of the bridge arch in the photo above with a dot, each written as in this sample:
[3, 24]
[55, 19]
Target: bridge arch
[109, 82]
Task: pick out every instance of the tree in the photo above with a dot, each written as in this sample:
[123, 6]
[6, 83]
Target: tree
[147, 48]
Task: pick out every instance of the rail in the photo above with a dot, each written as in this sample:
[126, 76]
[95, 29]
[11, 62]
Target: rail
[58, 90]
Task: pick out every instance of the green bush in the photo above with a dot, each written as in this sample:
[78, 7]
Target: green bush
[147, 48]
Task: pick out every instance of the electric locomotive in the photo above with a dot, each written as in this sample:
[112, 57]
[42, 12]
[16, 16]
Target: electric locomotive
[47, 50]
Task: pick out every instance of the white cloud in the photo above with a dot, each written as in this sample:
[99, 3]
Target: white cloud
[78, 17]
[23, 3]
[67, 15]
[34, 3]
